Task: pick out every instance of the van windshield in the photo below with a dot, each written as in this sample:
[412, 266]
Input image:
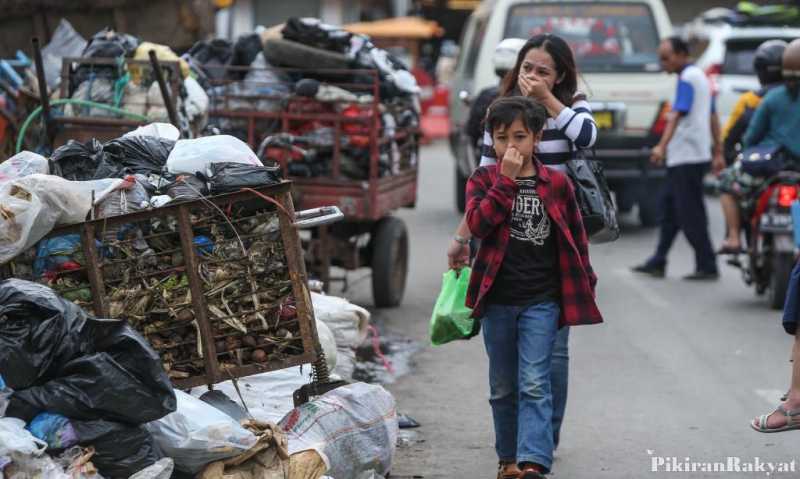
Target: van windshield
[605, 36]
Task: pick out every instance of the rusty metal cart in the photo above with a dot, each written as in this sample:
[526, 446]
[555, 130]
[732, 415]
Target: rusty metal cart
[217, 285]
[81, 122]
[268, 117]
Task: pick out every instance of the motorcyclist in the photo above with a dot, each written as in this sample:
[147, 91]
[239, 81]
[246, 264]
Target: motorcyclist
[735, 185]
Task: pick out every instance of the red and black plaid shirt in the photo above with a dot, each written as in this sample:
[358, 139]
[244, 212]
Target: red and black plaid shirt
[490, 197]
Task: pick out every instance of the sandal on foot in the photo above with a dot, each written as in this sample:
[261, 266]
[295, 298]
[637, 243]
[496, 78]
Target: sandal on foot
[792, 421]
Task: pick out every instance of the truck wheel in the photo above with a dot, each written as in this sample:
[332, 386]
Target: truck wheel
[389, 262]
[782, 265]
[461, 193]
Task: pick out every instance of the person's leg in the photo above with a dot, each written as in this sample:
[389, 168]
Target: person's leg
[729, 190]
[733, 220]
[690, 208]
[792, 403]
[500, 337]
[669, 225]
[537, 329]
[559, 379]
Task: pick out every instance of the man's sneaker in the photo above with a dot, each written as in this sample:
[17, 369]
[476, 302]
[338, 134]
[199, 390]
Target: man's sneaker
[654, 271]
[702, 276]
[508, 471]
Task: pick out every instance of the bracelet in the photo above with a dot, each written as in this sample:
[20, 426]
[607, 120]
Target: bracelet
[461, 240]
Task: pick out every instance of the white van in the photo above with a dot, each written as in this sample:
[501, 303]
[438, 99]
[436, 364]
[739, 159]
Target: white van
[616, 46]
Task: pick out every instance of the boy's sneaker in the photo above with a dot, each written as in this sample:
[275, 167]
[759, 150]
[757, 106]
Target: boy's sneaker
[508, 471]
[531, 472]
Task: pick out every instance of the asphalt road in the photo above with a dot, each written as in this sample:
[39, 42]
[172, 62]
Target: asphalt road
[677, 370]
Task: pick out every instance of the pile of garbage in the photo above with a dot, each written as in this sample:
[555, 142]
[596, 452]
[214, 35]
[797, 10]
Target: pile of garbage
[86, 398]
[114, 79]
[319, 75]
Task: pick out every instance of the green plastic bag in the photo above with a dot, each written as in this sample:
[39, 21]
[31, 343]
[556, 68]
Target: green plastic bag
[451, 317]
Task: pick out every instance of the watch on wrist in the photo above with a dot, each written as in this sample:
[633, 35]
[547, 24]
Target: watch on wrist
[461, 240]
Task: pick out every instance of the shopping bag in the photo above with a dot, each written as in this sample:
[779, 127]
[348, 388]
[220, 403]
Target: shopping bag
[451, 317]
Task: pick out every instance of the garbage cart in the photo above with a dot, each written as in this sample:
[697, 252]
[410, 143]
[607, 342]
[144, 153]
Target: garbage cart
[344, 140]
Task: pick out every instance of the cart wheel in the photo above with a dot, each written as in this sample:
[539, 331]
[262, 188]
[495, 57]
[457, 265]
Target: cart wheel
[389, 262]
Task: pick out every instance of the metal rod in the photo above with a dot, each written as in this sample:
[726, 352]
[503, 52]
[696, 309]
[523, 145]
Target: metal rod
[43, 97]
[162, 85]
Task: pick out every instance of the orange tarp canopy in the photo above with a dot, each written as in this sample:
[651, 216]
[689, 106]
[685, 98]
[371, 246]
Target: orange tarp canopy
[401, 27]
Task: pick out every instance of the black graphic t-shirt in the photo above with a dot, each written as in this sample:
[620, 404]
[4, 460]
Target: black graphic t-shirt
[529, 273]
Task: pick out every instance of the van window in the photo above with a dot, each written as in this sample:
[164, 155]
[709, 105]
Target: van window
[605, 36]
[739, 56]
[470, 52]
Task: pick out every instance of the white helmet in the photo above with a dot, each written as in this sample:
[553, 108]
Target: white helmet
[505, 55]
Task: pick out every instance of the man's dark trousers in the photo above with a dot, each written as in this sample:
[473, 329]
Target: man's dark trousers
[683, 209]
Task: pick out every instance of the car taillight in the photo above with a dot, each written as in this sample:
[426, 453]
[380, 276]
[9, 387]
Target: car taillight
[786, 195]
[661, 120]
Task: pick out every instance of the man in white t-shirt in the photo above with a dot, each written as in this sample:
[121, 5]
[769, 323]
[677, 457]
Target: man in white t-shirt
[691, 143]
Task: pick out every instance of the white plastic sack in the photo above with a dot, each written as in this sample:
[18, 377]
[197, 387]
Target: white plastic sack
[24, 163]
[353, 428]
[196, 99]
[157, 130]
[32, 206]
[14, 439]
[269, 396]
[160, 470]
[347, 321]
[65, 42]
[198, 433]
[328, 343]
[191, 156]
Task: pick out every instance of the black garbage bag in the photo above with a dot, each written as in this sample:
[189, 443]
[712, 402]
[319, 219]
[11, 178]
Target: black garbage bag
[229, 177]
[110, 44]
[139, 154]
[212, 57]
[246, 50]
[104, 44]
[312, 32]
[121, 450]
[83, 161]
[57, 358]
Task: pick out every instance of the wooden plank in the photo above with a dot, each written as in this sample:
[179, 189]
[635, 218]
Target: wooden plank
[198, 297]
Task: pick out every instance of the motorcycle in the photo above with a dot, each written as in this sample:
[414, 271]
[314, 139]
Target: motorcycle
[769, 232]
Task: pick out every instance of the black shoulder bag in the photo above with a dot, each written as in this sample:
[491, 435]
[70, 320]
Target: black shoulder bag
[594, 197]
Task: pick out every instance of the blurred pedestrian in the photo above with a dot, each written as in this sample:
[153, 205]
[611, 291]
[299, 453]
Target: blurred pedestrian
[690, 144]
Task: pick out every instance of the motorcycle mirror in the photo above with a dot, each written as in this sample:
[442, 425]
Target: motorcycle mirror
[463, 95]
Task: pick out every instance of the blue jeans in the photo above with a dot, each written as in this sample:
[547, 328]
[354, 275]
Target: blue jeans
[520, 342]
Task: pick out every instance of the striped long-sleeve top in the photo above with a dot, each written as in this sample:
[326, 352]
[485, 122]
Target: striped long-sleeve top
[574, 128]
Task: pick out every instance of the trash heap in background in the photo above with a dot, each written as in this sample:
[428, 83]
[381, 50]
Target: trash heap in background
[308, 68]
[114, 75]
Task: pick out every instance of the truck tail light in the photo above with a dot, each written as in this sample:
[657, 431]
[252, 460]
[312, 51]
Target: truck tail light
[660, 124]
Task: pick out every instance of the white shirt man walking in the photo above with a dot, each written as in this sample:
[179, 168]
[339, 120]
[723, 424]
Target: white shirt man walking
[692, 134]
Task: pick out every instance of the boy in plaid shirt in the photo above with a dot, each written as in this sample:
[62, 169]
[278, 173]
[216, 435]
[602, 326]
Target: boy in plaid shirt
[531, 277]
